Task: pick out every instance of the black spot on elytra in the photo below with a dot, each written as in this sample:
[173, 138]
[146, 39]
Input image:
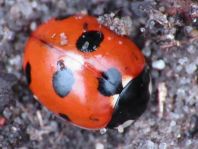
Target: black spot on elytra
[89, 41]
[64, 116]
[63, 80]
[28, 73]
[132, 101]
[110, 83]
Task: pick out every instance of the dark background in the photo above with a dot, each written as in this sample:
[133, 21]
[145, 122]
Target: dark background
[167, 33]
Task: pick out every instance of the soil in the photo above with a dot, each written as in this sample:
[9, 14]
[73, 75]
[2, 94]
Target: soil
[167, 33]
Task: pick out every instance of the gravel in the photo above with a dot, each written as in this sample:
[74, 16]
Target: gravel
[168, 38]
[159, 64]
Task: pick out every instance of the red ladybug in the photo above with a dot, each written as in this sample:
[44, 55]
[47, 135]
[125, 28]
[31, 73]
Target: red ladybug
[85, 73]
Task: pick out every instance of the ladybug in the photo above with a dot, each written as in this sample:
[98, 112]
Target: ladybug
[86, 73]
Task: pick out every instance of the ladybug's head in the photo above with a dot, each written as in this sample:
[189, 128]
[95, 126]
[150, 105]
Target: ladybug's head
[132, 101]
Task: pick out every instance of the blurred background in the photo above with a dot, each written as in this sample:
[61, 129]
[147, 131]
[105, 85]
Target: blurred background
[167, 33]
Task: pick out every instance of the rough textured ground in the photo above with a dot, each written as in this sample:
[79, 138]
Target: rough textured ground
[165, 30]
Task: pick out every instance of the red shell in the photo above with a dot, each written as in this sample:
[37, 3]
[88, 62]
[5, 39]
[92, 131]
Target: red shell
[55, 41]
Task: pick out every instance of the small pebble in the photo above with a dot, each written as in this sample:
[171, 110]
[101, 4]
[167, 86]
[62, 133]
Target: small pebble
[25, 8]
[159, 64]
[163, 146]
[150, 145]
[9, 35]
[34, 4]
[103, 131]
[170, 36]
[99, 146]
[33, 26]
[147, 51]
[7, 113]
[191, 68]
[14, 129]
[191, 49]
[172, 124]
[120, 129]
[183, 60]
[142, 29]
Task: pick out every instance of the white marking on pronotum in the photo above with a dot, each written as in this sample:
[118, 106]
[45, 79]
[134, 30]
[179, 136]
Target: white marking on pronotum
[126, 80]
[115, 98]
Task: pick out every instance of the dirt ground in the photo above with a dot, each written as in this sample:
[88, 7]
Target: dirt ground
[167, 33]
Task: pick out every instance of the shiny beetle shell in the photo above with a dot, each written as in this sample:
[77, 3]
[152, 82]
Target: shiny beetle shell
[85, 73]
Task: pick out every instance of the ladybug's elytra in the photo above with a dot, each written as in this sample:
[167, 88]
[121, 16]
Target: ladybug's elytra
[85, 73]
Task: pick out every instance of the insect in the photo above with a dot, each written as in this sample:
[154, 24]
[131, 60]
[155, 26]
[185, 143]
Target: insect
[85, 73]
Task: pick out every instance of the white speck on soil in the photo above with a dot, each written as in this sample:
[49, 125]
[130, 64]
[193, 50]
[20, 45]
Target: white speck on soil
[191, 68]
[99, 146]
[159, 64]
